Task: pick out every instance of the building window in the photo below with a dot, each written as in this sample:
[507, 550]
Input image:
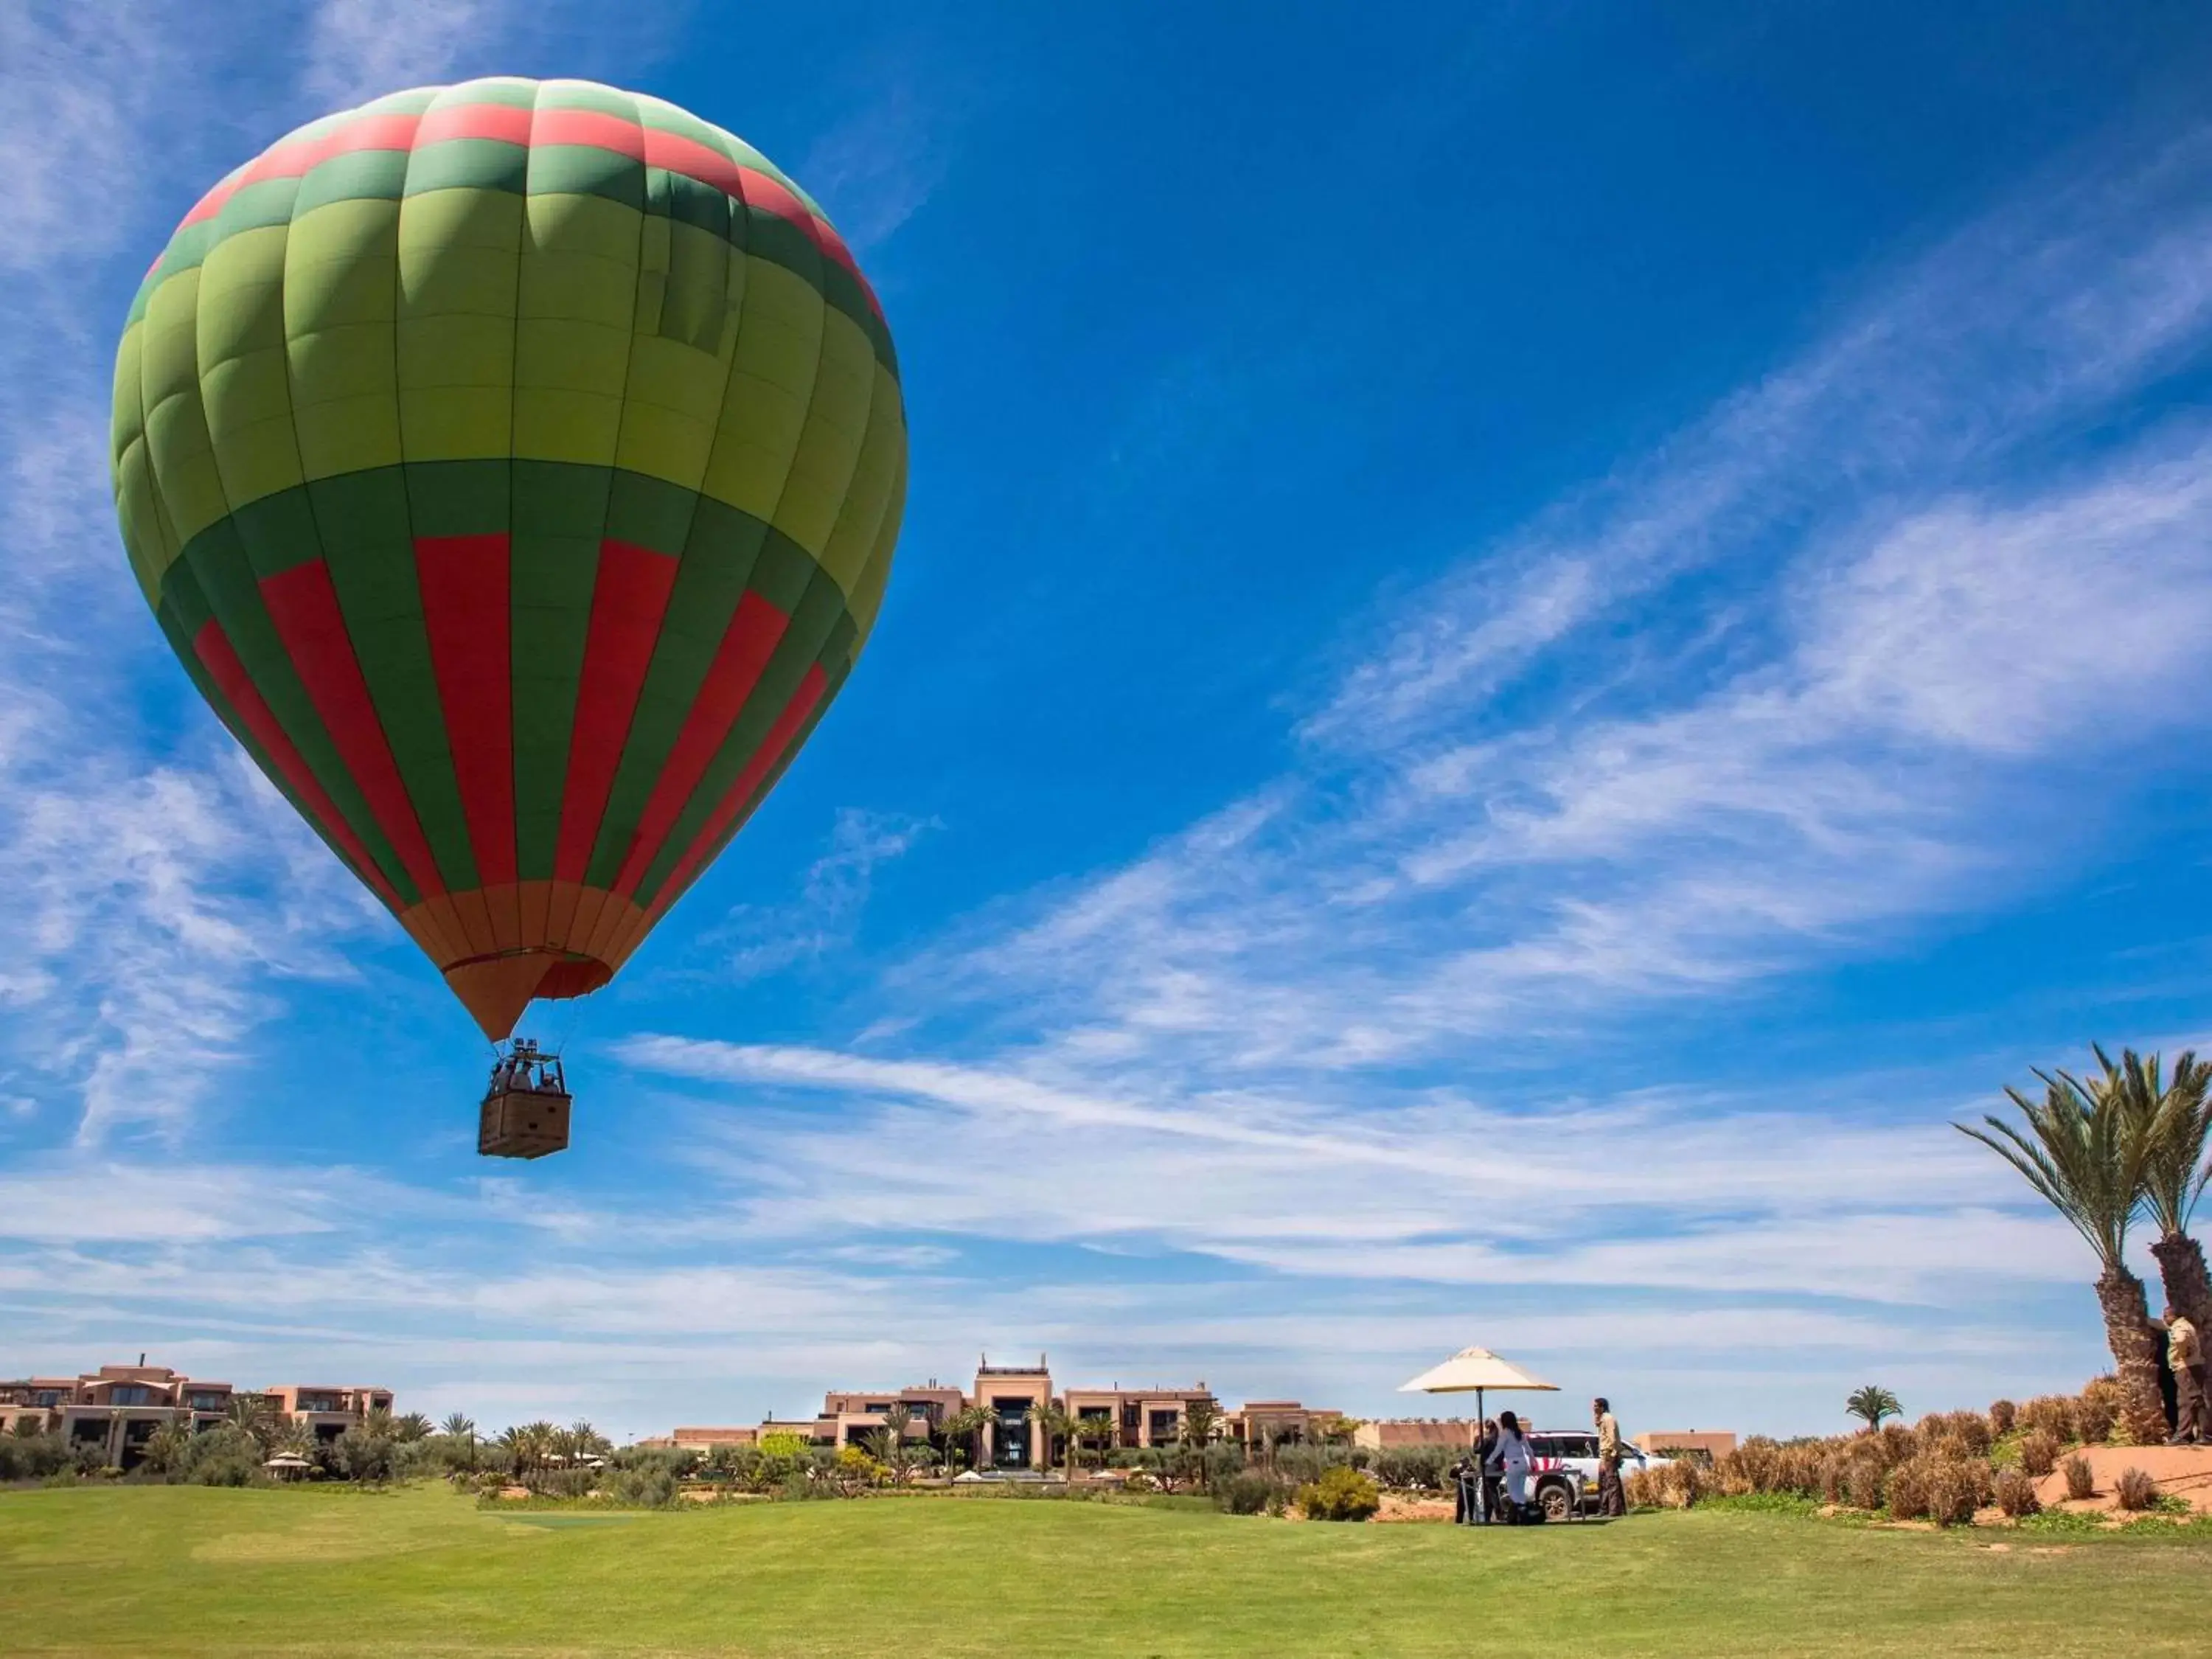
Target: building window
[129, 1393]
[1166, 1425]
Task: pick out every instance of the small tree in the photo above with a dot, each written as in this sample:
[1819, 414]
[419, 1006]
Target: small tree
[959, 1432]
[461, 1427]
[1871, 1404]
[168, 1448]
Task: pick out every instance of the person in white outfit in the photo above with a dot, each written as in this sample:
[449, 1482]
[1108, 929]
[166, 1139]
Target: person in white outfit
[1513, 1462]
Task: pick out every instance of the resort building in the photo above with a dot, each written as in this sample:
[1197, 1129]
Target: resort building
[1019, 1404]
[119, 1407]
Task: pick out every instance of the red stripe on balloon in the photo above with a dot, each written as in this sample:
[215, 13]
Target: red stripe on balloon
[764, 761]
[464, 582]
[629, 596]
[592, 128]
[747, 643]
[216, 654]
[305, 608]
[509, 124]
[293, 159]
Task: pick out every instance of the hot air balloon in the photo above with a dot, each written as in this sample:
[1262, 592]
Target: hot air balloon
[514, 467]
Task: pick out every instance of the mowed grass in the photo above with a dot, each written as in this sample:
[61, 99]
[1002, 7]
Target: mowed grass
[186, 1570]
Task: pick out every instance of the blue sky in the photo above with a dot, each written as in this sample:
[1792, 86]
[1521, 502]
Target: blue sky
[1530, 641]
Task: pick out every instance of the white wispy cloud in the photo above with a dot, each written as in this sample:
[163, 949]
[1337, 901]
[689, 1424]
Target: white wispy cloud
[758, 939]
[1819, 670]
[875, 169]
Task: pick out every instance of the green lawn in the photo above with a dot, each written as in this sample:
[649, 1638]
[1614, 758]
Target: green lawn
[186, 1570]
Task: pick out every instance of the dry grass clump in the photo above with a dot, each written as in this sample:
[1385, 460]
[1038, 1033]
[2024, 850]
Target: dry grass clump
[2096, 1411]
[1963, 1434]
[2052, 1414]
[2081, 1479]
[2002, 1414]
[1762, 1465]
[2134, 1490]
[2038, 1453]
[2015, 1494]
[1679, 1485]
[1939, 1486]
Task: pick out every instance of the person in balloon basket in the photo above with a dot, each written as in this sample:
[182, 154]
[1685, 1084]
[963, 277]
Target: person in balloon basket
[1611, 1498]
[2185, 1352]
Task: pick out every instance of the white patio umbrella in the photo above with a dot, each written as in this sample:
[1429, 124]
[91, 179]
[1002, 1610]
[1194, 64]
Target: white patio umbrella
[1476, 1371]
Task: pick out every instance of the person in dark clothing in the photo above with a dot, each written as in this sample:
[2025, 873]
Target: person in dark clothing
[1488, 1495]
[1463, 1478]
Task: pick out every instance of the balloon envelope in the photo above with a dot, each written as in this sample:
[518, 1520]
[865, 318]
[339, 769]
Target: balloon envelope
[515, 468]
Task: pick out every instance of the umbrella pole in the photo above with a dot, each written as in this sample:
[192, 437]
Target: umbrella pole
[1482, 1470]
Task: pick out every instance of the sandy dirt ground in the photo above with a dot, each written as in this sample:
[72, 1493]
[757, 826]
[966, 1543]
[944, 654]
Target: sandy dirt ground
[2183, 1472]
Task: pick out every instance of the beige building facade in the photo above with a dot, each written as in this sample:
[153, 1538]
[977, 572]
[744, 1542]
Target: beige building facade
[118, 1408]
[1026, 1418]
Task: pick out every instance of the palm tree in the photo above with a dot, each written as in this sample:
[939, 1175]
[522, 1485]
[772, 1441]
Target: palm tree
[961, 1429]
[1053, 1423]
[1873, 1403]
[2082, 1151]
[167, 1447]
[413, 1426]
[2176, 1121]
[459, 1426]
[253, 1413]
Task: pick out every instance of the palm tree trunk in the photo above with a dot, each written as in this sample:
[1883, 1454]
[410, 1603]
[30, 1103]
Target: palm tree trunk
[2134, 1342]
[2188, 1290]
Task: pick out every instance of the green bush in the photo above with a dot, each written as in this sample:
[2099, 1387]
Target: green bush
[1342, 1493]
[646, 1485]
[1411, 1468]
[34, 1457]
[1251, 1493]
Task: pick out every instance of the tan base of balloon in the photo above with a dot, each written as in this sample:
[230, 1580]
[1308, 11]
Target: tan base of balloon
[500, 947]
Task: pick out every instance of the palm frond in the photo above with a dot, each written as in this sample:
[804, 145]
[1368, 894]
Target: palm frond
[2083, 1149]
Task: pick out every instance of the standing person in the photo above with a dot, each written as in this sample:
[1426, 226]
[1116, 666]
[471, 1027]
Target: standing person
[1513, 1463]
[1485, 1472]
[1612, 1500]
[2185, 1352]
[1464, 1473]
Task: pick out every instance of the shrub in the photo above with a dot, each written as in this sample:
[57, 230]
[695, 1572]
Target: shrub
[2049, 1415]
[1966, 1432]
[1865, 1484]
[1957, 1487]
[1249, 1493]
[2015, 1494]
[646, 1485]
[2038, 1453]
[2098, 1410]
[1908, 1489]
[2081, 1479]
[1341, 1494]
[1677, 1485]
[2134, 1490]
[1413, 1468]
[33, 1456]
[2002, 1414]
